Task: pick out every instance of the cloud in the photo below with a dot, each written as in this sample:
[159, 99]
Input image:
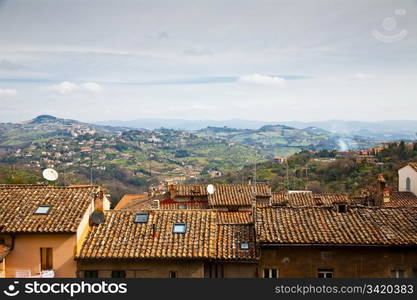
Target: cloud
[92, 87]
[362, 76]
[10, 66]
[197, 51]
[67, 87]
[259, 79]
[8, 93]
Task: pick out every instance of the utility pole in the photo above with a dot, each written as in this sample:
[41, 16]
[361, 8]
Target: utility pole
[287, 177]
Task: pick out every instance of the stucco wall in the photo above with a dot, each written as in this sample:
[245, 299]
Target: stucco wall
[304, 261]
[403, 173]
[144, 268]
[26, 254]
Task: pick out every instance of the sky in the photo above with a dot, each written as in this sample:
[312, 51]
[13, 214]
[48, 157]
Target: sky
[214, 60]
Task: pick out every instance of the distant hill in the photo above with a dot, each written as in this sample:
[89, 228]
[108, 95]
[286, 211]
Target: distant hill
[275, 139]
[381, 130]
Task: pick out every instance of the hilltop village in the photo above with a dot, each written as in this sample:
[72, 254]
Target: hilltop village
[210, 231]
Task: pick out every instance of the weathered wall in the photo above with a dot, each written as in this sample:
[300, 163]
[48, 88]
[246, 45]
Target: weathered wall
[26, 254]
[403, 173]
[304, 261]
[144, 268]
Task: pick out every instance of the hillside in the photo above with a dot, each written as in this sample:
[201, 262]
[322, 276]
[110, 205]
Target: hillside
[280, 140]
[326, 171]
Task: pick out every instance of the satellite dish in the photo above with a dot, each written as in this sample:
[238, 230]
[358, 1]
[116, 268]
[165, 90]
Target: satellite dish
[210, 189]
[50, 174]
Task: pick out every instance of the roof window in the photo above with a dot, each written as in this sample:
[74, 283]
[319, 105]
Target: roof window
[244, 245]
[42, 210]
[179, 228]
[141, 217]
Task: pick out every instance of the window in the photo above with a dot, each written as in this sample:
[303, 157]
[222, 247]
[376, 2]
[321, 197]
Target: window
[179, 228]
[325, 273]
[173, 274]
[244, 245]
[118, 274]
[91, 274]
[182, 206]
[341, 208]
[141, 217]
[397, 274]
[408, 184]
[270, 273]
[42, 210]
[46, 259]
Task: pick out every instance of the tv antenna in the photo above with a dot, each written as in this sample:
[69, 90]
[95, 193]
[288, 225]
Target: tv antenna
[50, 174]
[210, 189]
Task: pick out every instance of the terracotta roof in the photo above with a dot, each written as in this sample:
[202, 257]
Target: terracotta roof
[18, 204]
[237, 194]
[229, 240]
[4, 251]
[401, 199]
[307, 199]
[189, 204]
[238, 217]
[413, 165]
[131, 201]
[155, 238]
[323, 225]
[190, 190]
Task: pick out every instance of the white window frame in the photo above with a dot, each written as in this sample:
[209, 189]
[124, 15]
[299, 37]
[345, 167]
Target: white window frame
[270, 272]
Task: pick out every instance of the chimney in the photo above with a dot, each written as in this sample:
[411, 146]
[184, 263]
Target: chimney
[155, 204]
[173, 190]
[381, 183]
[98, 201]
[386, 196]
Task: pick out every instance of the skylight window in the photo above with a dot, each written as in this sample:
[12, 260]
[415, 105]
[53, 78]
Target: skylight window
[244, 245]
[179, 228]
[42, 210]
[141, 217]
[182, 206]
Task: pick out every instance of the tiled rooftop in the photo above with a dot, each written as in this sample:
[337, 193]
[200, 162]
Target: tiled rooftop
[18, 204]
[237, 194]
[307, 199]
[155, 238]
[404, 199]
[324, 225]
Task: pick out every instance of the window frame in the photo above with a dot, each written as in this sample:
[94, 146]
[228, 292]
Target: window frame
[141, 214]
[270, 273]
[37, 212]
[397, 273]
[325, 273]
[182, 206]
[246, 247]
[408, 184]
[46, 258]
[117, 273]
[171, 273]
[184, 225]
[91, 272]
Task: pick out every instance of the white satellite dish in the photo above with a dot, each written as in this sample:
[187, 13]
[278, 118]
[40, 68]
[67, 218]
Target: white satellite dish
[210, 189]
[50, 174]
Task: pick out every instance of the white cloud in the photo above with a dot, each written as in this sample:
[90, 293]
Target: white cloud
[362, 76]
[92, 87]
[67, 87]
[8, 93]
[259, 79]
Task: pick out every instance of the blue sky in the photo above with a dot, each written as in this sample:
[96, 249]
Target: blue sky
[259, 60]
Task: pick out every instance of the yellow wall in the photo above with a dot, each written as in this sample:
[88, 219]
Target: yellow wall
[26, 254]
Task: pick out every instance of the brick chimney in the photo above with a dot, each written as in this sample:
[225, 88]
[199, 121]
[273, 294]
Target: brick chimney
[381, 183]
[386, 195]
[98, 201]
